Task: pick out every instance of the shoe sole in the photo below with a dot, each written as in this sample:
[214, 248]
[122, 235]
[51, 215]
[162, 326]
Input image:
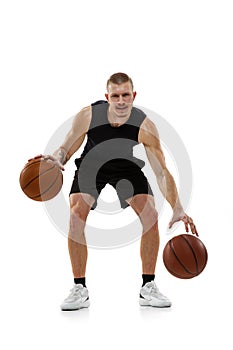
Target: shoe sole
[81, 306]
[144, 302]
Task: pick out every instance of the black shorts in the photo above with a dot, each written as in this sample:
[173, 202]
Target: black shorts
[127, 181]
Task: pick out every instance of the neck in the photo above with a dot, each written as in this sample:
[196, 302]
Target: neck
[116, 120]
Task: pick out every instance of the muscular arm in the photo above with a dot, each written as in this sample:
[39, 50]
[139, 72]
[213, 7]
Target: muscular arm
[75, 136]
[149, 136]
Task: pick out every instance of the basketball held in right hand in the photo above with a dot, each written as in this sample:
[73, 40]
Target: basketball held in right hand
[49, 158]
[53, 159]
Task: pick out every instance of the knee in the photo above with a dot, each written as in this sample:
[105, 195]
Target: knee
[78, 215]
[144, 206]
[149, 216]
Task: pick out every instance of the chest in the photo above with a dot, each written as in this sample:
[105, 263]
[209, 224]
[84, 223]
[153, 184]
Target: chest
[106, 132]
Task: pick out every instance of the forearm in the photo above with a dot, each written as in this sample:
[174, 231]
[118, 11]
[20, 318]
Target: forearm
[169, 190]
[62, 155]
[68, 148]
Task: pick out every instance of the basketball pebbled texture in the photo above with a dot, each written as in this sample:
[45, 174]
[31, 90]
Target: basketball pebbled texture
[41, 180]
[185, 256]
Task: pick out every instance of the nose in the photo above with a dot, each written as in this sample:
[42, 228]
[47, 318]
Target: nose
[121, 99]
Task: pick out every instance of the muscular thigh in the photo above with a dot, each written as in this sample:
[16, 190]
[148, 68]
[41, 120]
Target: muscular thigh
[81, 203]
[144, 207]
[142, 202]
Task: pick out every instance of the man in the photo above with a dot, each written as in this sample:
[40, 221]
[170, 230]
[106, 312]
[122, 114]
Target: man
[113, 128]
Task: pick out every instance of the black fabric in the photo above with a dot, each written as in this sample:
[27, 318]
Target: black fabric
[99, 102]
[81, 280]
[108, 158]
[147, 278]
[105, 142]
[128, 181]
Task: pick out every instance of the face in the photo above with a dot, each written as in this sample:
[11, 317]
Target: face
[120, 99]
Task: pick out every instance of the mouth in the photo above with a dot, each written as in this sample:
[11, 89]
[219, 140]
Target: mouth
[121, 108]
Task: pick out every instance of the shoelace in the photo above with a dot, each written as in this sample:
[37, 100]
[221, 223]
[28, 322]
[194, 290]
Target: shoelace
[75, 292]
[155, 291]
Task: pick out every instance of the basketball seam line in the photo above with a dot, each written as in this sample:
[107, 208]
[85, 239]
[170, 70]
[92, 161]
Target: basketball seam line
[45, 171]
[172, 248]
[194, 254]
[41, 194]
[28, 165]
[176, 274]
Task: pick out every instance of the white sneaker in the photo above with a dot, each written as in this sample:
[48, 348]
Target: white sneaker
[78, 298]
[151, 296]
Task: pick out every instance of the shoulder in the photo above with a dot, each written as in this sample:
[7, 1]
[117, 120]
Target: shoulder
[148, 132]
[82, 119]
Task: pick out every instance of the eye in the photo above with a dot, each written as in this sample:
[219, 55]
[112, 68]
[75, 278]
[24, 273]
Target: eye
[115, 96]
[126, 95]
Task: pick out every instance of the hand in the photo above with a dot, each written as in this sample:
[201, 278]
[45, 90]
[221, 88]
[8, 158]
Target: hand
[54, 160]
[49, 158]
[187, 220]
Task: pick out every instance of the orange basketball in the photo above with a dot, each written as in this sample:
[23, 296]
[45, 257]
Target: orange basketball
[185, 256]
[40, 179]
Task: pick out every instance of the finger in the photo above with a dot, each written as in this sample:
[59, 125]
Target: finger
[48, 157]
[185, 221]
[194, 230]
[60, 165]
[192, 226]
[57, 163]
[36, 157]
[172, 222]
[39, 156]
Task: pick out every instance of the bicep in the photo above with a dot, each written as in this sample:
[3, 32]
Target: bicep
[77, 133]
[149, 136]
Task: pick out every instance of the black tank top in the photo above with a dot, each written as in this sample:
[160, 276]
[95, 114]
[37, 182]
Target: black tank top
[111, 147]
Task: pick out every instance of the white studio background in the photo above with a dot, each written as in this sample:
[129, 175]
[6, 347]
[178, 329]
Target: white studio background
[55, 59]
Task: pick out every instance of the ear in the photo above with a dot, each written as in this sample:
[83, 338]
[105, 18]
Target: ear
[106, 95]
[134, 94]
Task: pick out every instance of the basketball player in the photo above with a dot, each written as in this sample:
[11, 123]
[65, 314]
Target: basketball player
[113, 127]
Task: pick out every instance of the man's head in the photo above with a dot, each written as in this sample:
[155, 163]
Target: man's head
[120, 94]
[118, 79]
